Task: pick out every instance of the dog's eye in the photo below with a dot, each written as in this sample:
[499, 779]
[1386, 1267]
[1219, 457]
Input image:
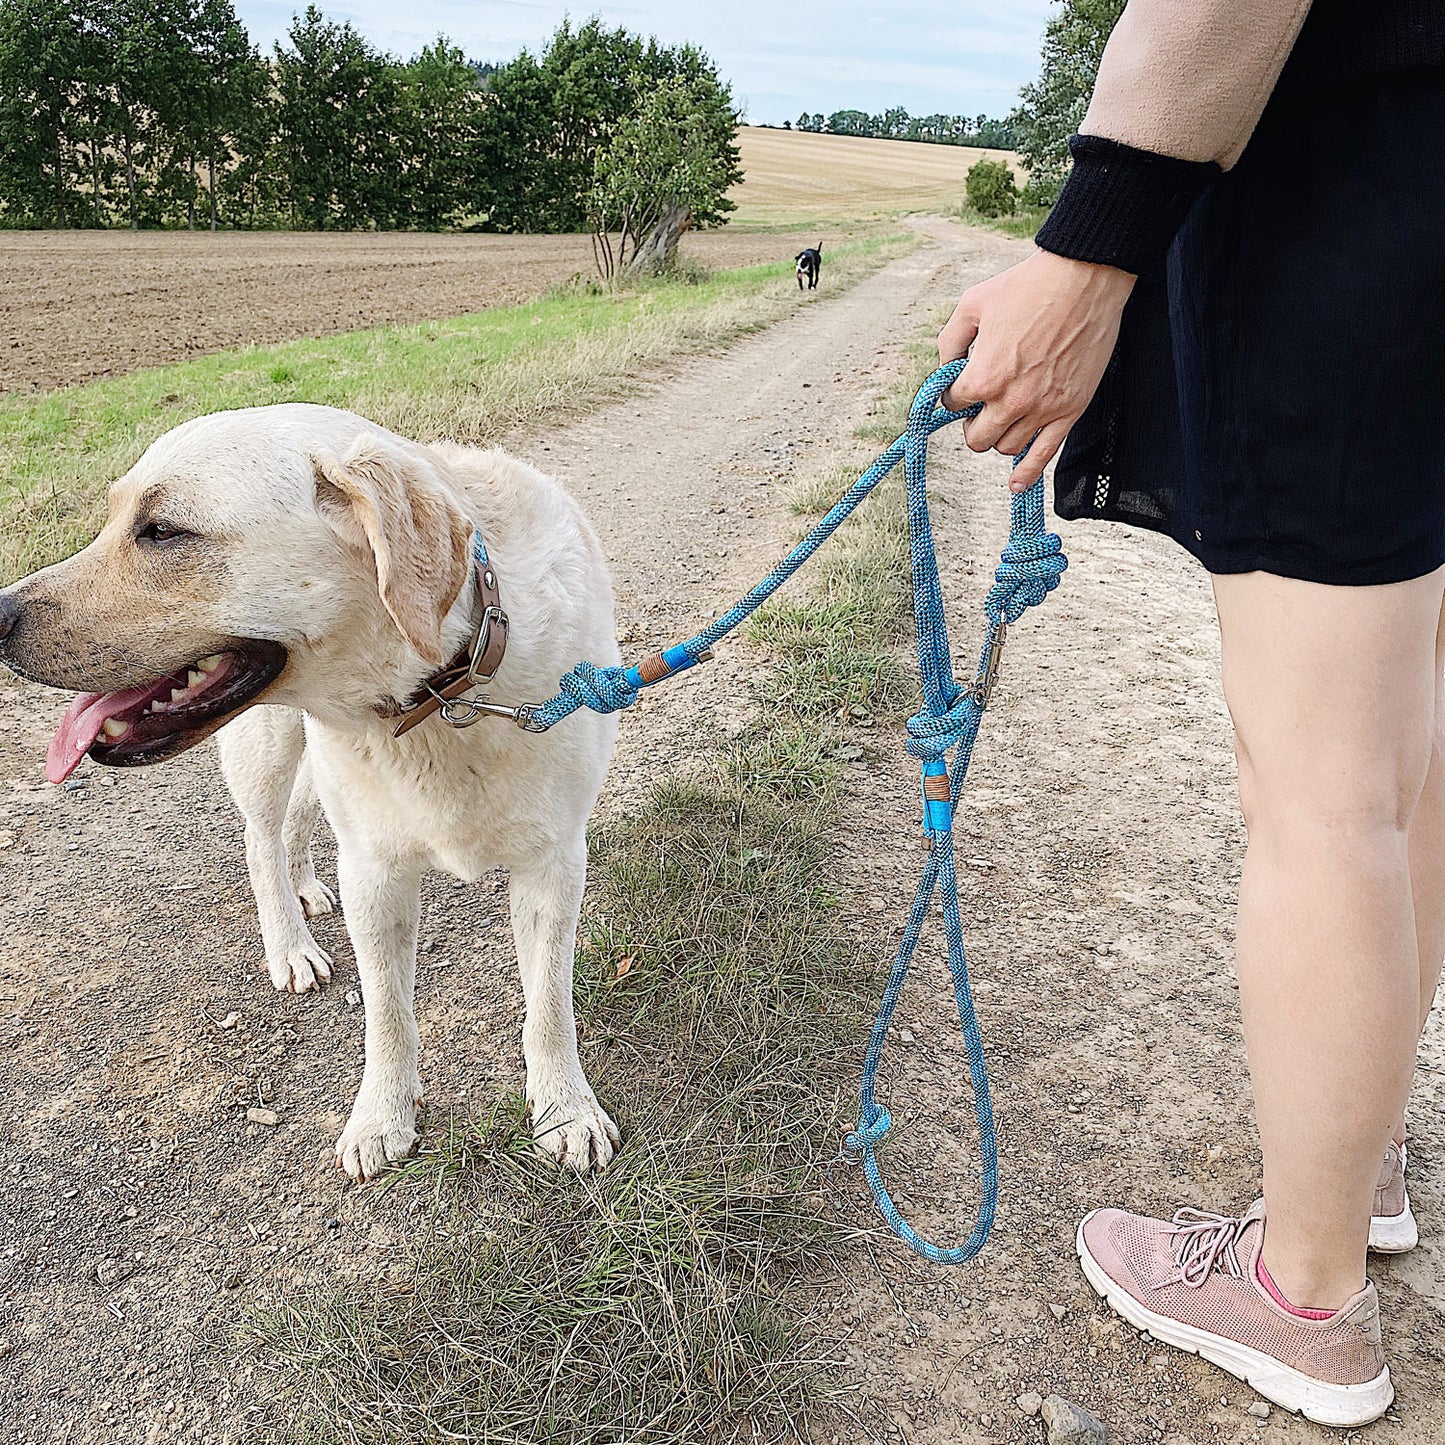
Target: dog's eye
[158, 533]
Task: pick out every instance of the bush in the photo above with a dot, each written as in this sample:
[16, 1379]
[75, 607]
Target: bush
[990, 189]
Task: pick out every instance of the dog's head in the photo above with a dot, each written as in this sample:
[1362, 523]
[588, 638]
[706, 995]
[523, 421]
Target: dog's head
[288, 554]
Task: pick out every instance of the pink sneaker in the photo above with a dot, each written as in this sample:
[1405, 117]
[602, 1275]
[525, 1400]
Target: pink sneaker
[1392, 1225]
[1195, 1284]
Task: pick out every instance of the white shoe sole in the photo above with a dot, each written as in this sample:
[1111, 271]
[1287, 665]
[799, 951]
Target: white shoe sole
[1394, 1233]
[1342, 1406]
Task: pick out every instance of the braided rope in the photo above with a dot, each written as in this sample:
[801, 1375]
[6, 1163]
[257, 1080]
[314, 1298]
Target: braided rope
[1029, 569]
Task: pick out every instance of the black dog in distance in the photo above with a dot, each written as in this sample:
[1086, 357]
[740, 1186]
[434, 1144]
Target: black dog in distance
[810, 266]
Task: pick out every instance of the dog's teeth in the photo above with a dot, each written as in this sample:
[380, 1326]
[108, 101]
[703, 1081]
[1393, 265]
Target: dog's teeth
[177, 693]
[157, 706]
[114, 728]
[211, 663]
[194, 678]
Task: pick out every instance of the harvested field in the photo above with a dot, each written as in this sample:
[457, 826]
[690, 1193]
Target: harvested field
[80, 305]
[798, 178]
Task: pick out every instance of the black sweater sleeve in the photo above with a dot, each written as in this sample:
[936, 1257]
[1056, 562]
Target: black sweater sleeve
[1121, 206]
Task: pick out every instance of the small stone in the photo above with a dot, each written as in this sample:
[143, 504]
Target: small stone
[1259, 1410]
[1071, 1424]
[906, 1035]
[1030, 1402]
[232, 1279]
[1058, 1311]
[231, 1020]
[353, 999]
[5, 1348]
[269, 1117]
[74, 785]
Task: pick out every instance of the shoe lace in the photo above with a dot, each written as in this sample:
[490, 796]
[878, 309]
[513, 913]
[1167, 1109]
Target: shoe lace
[1204, 1243]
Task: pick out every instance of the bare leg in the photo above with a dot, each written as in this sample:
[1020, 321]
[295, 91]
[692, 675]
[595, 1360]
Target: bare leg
[382, 899]
[302, 811]
[1427, 859]
[546, 896]
[1333, 695]
[260, 754]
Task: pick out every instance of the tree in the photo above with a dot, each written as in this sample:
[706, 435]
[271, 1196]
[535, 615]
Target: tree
[1052, 106]
[43, 55]
[440, 104]
[990, 190]
[666, 168]
[336, 135]
[548, 116]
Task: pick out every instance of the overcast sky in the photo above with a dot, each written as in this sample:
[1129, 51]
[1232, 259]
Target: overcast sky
[963, 57]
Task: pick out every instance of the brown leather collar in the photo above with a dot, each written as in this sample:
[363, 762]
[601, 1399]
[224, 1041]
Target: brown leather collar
[477, 662]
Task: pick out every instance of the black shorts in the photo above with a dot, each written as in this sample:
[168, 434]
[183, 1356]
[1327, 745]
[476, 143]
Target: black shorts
[1276, 401]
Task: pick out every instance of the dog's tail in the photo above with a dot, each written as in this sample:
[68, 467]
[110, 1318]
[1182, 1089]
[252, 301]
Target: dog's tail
[819, 249]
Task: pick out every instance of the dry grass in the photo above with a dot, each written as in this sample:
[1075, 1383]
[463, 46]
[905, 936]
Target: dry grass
[794, 177]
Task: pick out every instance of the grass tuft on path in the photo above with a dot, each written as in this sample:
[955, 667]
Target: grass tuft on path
[467, 379]
[653, 1302]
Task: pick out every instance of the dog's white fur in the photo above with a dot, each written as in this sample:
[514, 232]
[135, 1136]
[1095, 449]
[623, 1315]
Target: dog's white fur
[340, 540]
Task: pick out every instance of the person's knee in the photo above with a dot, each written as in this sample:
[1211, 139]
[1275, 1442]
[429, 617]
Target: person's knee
[1331, 795]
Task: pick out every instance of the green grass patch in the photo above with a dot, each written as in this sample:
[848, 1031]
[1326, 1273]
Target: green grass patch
[1024, 222]
[721, 1007]
[466, 379]
[836, 644]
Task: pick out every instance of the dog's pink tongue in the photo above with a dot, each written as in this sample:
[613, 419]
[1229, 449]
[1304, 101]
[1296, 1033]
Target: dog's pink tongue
[80, 727]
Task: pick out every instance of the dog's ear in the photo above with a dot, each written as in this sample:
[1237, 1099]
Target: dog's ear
[393, 503]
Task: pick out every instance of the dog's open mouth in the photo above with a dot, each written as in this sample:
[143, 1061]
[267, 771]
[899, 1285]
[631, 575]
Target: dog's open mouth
[146, 724]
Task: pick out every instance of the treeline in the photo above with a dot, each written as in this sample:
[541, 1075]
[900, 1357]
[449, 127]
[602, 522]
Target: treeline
[897, 124]
[163, 113]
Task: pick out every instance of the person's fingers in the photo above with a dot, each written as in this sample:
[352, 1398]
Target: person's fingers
[1041, 453]
[1017, 437]
[982, 432]
[958, 331]
[954, 341]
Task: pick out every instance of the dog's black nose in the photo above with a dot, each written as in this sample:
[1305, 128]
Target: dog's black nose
[9, 615]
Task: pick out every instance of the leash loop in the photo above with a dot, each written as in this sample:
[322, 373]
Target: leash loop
[1030, 567]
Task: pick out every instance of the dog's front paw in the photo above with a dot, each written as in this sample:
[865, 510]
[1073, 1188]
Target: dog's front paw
[377, 1134]
[302, 966]
[316, 898]
[574, 1129]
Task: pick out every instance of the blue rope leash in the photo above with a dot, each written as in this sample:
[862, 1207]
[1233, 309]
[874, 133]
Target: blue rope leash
[1029, 569]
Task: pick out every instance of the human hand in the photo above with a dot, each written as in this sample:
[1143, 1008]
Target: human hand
[1038, 337]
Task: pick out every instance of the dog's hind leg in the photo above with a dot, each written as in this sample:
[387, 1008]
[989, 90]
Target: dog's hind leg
[546, 896]
[302, 811]
[261, 753]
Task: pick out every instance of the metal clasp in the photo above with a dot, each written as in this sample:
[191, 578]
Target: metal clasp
[988, 673]
[462, 712]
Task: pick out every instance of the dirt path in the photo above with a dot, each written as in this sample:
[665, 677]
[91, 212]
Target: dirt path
[141, 1215]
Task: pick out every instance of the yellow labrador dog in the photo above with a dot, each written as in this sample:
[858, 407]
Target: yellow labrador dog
[306, 559]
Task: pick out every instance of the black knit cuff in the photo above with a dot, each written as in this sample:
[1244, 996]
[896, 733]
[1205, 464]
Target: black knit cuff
[1121, 206]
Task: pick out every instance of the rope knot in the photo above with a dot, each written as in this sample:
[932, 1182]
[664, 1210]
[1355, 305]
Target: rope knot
[603, 689]
[1029, 569]
[867, 1136]
[932, 736]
